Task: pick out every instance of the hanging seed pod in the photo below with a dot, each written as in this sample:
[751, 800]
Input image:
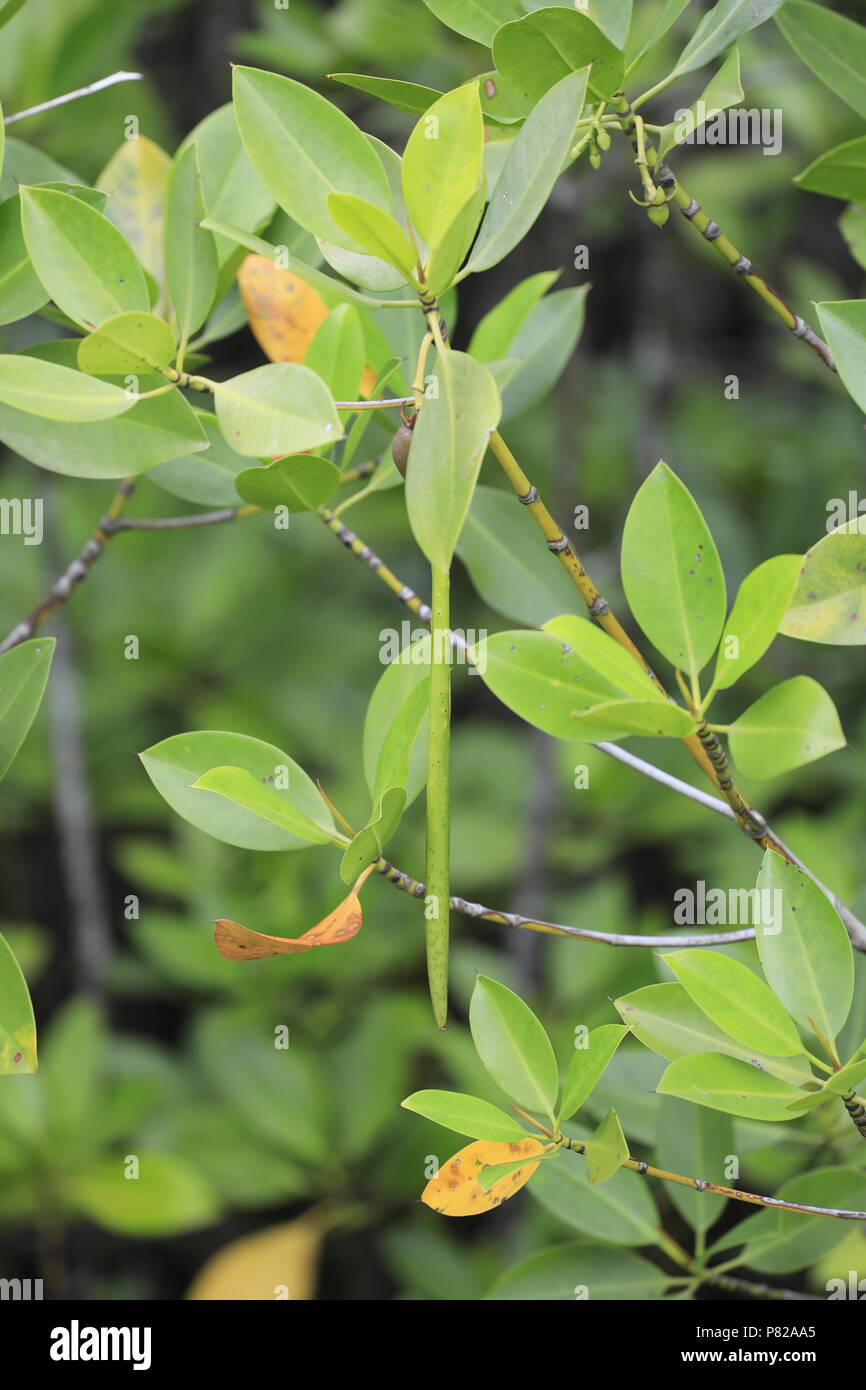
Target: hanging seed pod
[400, 445]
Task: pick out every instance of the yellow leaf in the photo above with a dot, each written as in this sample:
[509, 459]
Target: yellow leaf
[235, 942]
[135, 179]
[455, 1191]
[284, 312]
[280, 1262]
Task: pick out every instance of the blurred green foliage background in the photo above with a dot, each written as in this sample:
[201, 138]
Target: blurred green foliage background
[150, 1041]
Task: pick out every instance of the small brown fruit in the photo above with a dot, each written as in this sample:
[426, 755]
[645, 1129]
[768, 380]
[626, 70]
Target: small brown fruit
[400, 448]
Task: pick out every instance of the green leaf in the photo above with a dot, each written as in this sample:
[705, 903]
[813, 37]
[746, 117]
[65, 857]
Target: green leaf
[448, 254]
[303, 148]
[726, 1083]
[840, 173]
[842, 1081]
[176, 763]
[668, 1021]
[606, 1150]
[465, 1115]
[778, 1242]
[23, 677]
[550, 677]
[832, 46]
[369, 843]
[165, 1197]
[723, 90]
[231, 188]
[395, 727]
[513, 1046]
[843, 323]
[282, 408]
[580, 1270]
[757, 615]
[74, 1076]
[58, 393]
[737, 1001]
[587, 1066]
[698, 1142]
[535, 52]
[9, 9]
[791, 725]
[498, 329]
[665, 21]
[829, 603]
[852, 225]
[263, 801]
[17, 1024]
[671, 572]
[301, 483]
[21, 292]
[442, 162]
[476, 19]
[190, 250]
[375, 230]
[448, 445]
[809, 963]
[405, 96]
[621, 1211]
[544, 344]
[724, 24]
[86, 265]
[501, 548]
[337, 352]
[130, 342]
[136, 179]
[532, 167]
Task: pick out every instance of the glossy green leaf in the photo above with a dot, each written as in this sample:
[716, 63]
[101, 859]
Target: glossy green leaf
[532, 167]
[448, 254]
[829, 602]
[832, 46]
[17, 1024]
[778, 1242]
[395, 727]
[136, 180]
[728, 1084]
[21, 291]
[606, 1150]
[190, 251]
[58, 393]
[544, 344]
[839, 1084]
[666, 20]
[809, 964]
[587, 1065]
[175, 764]
[724, 24]
[231, 188]
[304, 148]
[535, 52]
[791, 725]
[668, 1021]
[301, 483]
[577, 1271]
[843, 323]
[499, 545]
[377, 231]
[167, 1196]
[699, 1142]
[405, 96]
[130, 342]
[282, 408]
[442, 163]
[551, 677]
[736, 1000]
[23, 677]
[513, 1046]
[840, 173]
[621, 1211]
[465, 1115]
[758, 614]
[499, 327]
[723, 90]
[337, 353]
[671, 572]
[86, 265]
[476, 19]
[369, 844]
[448, 445]
[261, 799]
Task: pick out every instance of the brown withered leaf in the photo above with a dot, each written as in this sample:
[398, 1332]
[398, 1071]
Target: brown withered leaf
[455, 1190]
[235, 942]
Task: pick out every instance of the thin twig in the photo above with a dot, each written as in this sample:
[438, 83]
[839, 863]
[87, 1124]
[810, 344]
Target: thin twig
[87, 91]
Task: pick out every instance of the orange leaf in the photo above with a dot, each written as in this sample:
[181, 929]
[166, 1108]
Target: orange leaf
[284, 312]
[235, 942]
[455, 1190]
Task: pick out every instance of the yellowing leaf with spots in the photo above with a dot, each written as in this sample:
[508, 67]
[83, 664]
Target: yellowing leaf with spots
[277, 1264]
[284, 312]
[456, 1191]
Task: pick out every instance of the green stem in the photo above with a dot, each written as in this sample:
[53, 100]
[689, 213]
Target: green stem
[439, 797]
